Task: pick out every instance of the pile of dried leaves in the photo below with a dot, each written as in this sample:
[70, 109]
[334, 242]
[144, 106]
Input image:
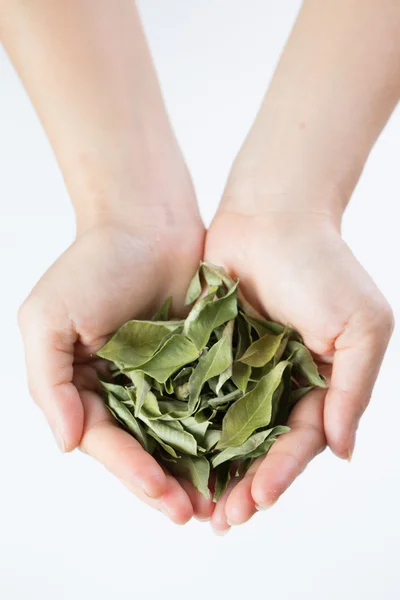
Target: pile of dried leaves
[211, 392]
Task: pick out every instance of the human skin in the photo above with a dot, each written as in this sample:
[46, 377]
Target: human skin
[278, 226]
[333, 91]
[88, 71]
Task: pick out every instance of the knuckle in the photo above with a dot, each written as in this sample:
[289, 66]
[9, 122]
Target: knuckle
[31, 309]
[384, 320]
[33, 392]
[387, 315]
[24, 313]
[377, 320]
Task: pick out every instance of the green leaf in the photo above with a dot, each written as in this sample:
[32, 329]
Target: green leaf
[299, 393]
[193, 469]
[296, 395]
[262, 351]
[126, 418]
[281, 400]
[208, 314]
[198, 430]
[243, 467]
[241, 375]
[282, 347]
[181, 383]
[169, 449]
[211, 276]
[239, 451]
[216, 275]
[151, 407]
[252, 411]
[142, 388]
[262, 326]
[247, 308]
[118, 391]
[243, 336]
[194, 289]
[265, 446]
[257, 373]
[210, 365]
[183, 375]
[169, 386]
[135, 342]
[176, 437]
[211, 438]
[174, 354]
[172, 409]
[205, 414]
[227, 373]
[223, 475]
[215, 402]
[302, 360]
[163, 312]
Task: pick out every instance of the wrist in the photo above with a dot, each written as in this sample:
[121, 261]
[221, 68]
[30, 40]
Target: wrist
[157, 194]
[257, 185]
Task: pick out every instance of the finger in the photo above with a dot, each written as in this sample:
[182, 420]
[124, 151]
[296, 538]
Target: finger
[240, 505]
[174, 503]
[202, 507]
[49, 339]
[123, 456]
[117, 450]
[291, 453]
[219, 521]
[359, 352]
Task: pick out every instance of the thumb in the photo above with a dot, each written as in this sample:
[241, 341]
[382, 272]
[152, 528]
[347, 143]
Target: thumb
[49, 337]
[359, 351]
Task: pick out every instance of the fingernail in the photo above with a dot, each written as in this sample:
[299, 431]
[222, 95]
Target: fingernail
[266, 507]
[202, 520]
[351, 447]
[165, 510]
[170, 518]
[220, 532]
[152, 485]
[232, 524]
[59, 439]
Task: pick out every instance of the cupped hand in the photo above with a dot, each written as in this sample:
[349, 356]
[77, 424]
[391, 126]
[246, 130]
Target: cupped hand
[296, 268]
[110, 274]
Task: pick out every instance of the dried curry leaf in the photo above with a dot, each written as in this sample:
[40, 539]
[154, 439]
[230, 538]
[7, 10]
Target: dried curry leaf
[127, 419]
[252, 411]
[259, 353]
[207, 314]
[179, 439]
[222, 478]
[163, 312]
[194, 289]
[210, 365]
[241, 375]
[239, 451]
[302, 360]
[135, 342]
[194, 469]
[177, 351]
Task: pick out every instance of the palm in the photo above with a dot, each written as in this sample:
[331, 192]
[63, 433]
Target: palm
[300, 272]
[105, 278]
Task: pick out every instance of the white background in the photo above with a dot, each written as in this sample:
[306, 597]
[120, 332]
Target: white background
[68, 530]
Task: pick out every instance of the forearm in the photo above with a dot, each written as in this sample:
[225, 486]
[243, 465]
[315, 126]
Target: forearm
[335, 87]
[87, 69]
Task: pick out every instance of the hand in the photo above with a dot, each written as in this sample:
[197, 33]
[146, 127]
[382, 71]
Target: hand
[110, 274]
[295, 268]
